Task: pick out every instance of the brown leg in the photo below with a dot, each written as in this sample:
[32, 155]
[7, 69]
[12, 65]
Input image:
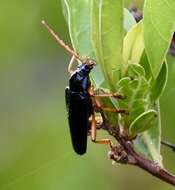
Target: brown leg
[114, 110]
[94, 133]
[112, 95]
[98, 119]
[96, 98]
[105, 95]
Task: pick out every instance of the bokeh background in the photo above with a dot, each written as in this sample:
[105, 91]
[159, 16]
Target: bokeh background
[35, 147]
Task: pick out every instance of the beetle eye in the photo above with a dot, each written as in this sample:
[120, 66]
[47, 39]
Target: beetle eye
[86, 66]
[92, 62]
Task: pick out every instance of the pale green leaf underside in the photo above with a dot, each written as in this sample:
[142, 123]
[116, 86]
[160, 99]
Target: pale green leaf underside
[148, 143]
[159, 25]
[78, 23]
[142, 122]
[107, 36]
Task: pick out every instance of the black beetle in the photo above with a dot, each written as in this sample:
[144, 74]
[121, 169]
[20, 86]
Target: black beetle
[79, 105]
[79, 101]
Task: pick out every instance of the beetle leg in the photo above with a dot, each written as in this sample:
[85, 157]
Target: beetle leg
[114, 110]
[109, 95]
[94, 134]
[105, 95]
[96, 98]
[71, 63]
[98, 120]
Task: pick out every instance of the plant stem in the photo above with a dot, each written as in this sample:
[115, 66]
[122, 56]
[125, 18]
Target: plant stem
[137, 159]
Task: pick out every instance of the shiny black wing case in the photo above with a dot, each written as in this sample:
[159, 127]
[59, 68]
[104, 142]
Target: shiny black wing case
[78, 109]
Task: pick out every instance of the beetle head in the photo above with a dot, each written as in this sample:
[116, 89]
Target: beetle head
[89, 62]
[86, 66]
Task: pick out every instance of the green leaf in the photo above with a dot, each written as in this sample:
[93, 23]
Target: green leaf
[64, 10]
[129, 20]
[135, 70]
[77, 12]
[146, 65]
[142, 122]
[148, 142]
[136, 101]
[159, 25]
[77, 15]
[97, 77]
[133, 45]
[107, 37]
[160, 82]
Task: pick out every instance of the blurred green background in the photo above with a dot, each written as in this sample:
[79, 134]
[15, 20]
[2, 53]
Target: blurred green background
[35, 147]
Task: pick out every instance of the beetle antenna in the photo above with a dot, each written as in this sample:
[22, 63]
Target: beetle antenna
[61, 42]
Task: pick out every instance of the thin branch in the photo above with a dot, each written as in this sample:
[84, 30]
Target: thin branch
[133, 158]
[168, 144]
